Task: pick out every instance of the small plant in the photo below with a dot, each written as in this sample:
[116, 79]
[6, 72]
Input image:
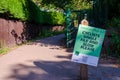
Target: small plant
[3, 48]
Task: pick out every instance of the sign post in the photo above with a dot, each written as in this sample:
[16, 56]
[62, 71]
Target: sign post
[87, 47]
[84, 67]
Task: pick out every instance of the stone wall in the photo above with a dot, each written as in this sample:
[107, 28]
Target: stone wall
[14, 32]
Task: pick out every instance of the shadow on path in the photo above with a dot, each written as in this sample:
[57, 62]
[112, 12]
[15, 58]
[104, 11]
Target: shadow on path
[58, 68]
[45, 70]
[58, 40]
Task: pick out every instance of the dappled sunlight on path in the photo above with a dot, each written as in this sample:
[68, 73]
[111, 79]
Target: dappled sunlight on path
[48, 59]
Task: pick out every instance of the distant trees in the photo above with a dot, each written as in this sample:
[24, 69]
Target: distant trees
[65, 4]
[103, 9]
[114, 8]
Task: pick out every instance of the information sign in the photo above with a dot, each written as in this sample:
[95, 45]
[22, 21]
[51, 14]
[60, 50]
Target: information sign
[88, 45]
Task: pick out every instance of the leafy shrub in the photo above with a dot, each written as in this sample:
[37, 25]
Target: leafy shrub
[115, 38]
[13, 8]
[24, 10]
[115, 46]
[53, 18]
[34, 14]
[115, 23]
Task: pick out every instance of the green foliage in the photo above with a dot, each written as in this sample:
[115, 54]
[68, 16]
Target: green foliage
[79, 5]
[114, 8]
[115, 46]
[33, 12]
[53, 18]
[106, 9]
[26, 10]
[13, 8]
[3, 7]
[3, 48]
[114, 22]
[56, 18]
[65, 4]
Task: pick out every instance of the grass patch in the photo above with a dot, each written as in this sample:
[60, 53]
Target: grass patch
[4, 50]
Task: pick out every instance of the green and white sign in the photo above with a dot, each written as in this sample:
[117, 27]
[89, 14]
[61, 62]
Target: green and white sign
[88, 45]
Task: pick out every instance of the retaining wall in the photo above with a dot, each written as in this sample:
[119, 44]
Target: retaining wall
[16, 32]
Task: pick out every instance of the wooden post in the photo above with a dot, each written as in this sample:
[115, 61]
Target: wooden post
[83, 67]
[83, 72]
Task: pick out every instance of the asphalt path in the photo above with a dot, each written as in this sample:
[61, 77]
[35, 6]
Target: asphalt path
[47, 59]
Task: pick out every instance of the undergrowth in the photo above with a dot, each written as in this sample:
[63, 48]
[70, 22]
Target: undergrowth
[48, 33]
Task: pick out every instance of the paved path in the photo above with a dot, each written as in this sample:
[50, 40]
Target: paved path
[46, 59]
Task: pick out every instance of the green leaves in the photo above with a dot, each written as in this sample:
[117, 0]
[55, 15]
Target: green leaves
[114, 23]
[115, 46]
[53, 18]
[20, 9]
[26, 10]
[13, 7]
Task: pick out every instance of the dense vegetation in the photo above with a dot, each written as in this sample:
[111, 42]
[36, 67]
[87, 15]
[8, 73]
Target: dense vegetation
[106, 14]
[14, 9]
[48, 12]
[64, 4]
[113, 23]
[83, 6]
[26, 10]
